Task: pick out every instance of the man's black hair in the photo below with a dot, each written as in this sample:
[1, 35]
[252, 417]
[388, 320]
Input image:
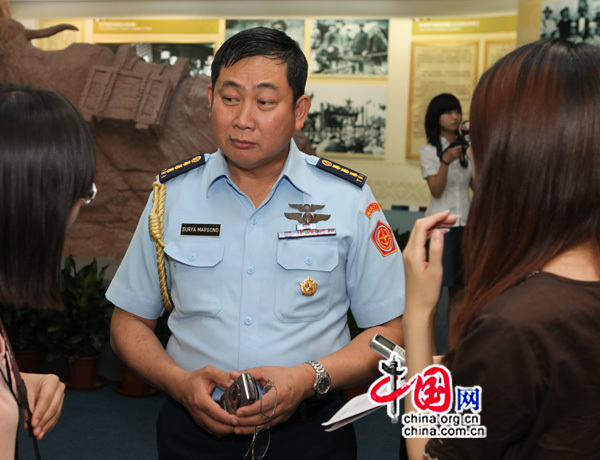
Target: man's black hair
[271, 43]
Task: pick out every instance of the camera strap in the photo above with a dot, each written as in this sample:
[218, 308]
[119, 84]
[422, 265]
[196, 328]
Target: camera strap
[21, 396]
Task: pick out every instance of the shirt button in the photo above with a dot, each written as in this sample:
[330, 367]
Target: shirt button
[192, 257]
[308, 261]
[248, 320]
[250, 270]
[254, 221]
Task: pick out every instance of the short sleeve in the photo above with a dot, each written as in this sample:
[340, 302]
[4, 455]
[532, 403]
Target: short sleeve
[375, 270]
[135, 286]
[498, 358]
[430, 163]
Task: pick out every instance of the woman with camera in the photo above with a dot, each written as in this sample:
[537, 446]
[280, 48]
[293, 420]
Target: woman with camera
[445, 167]
[526, 335]
[47, 165]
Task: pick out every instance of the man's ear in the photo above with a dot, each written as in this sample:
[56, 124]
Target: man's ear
[301, 110]
[209, 94]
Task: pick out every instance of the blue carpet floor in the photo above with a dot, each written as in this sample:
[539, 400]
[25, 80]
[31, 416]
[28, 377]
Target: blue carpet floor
[105, 425]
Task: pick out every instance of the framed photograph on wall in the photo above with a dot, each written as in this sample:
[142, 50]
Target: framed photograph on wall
[438, 67]
[163, 40]
[293, 27]
[349, 47]
[200, 55]
[347, 119]
[496, 49]
[575, 20]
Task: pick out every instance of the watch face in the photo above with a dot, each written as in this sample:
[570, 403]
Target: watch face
[323, 385]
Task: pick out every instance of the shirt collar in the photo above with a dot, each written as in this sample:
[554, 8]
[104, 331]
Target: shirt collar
[293, 170]
[218, 169]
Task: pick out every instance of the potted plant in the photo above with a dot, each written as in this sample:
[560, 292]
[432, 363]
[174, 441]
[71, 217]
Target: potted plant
[84, 325]
[26, 329]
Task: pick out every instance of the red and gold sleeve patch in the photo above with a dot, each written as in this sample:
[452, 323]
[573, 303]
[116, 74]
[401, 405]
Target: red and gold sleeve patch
[384, 239]
[371, 209]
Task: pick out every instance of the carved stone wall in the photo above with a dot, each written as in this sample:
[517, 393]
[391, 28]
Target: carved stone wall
[130, 152]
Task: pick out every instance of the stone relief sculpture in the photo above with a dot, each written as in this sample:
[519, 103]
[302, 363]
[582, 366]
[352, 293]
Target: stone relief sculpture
[144, 117]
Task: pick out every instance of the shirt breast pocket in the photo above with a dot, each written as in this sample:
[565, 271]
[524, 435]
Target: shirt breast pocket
[299, 262]
[196, 276]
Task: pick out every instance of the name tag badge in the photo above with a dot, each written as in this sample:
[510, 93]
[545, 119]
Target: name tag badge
[201, 229]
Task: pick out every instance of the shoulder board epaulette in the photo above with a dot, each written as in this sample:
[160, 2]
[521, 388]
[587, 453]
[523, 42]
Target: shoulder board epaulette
[180, 168]
[351, 176]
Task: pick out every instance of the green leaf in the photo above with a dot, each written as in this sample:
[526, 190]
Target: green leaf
[82, 327]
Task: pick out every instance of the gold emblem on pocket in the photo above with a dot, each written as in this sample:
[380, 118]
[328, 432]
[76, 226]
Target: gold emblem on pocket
[308, 287]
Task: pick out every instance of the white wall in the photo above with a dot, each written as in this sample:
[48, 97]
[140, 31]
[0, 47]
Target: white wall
[394, 180]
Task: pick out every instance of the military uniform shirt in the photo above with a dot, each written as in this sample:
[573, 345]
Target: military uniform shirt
[237, 296]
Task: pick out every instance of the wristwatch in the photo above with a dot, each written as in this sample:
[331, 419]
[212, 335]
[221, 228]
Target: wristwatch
[322, 380]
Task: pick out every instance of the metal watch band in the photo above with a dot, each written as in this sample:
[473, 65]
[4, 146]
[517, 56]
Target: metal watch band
[318, 367]
[322, 374]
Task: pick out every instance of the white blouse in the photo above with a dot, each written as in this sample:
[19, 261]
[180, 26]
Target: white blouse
[456, 194]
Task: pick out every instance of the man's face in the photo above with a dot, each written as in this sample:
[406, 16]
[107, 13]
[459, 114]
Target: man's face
[252, 112]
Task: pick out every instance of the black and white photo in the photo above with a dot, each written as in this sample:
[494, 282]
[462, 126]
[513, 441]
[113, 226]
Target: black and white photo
[347, 118]
[200, 55]
[575, 20]
[293, 27]
[349, 47]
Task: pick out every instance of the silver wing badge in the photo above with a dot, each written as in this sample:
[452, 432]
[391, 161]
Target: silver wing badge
[306, 215]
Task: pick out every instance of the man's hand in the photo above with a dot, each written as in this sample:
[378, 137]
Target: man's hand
[45, 394]
[292, 386]
[134, 341]
[195, 395]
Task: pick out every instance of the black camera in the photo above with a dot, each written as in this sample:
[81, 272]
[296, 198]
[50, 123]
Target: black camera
[242, 392]
[464, 162]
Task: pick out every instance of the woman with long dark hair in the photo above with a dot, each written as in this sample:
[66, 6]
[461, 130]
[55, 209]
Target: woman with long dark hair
[445, 167]
[527, 332]
[47, 165]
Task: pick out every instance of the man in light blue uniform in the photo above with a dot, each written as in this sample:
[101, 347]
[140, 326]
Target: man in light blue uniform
[266, 250]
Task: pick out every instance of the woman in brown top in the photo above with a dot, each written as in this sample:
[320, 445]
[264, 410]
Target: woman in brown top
[527, 332]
